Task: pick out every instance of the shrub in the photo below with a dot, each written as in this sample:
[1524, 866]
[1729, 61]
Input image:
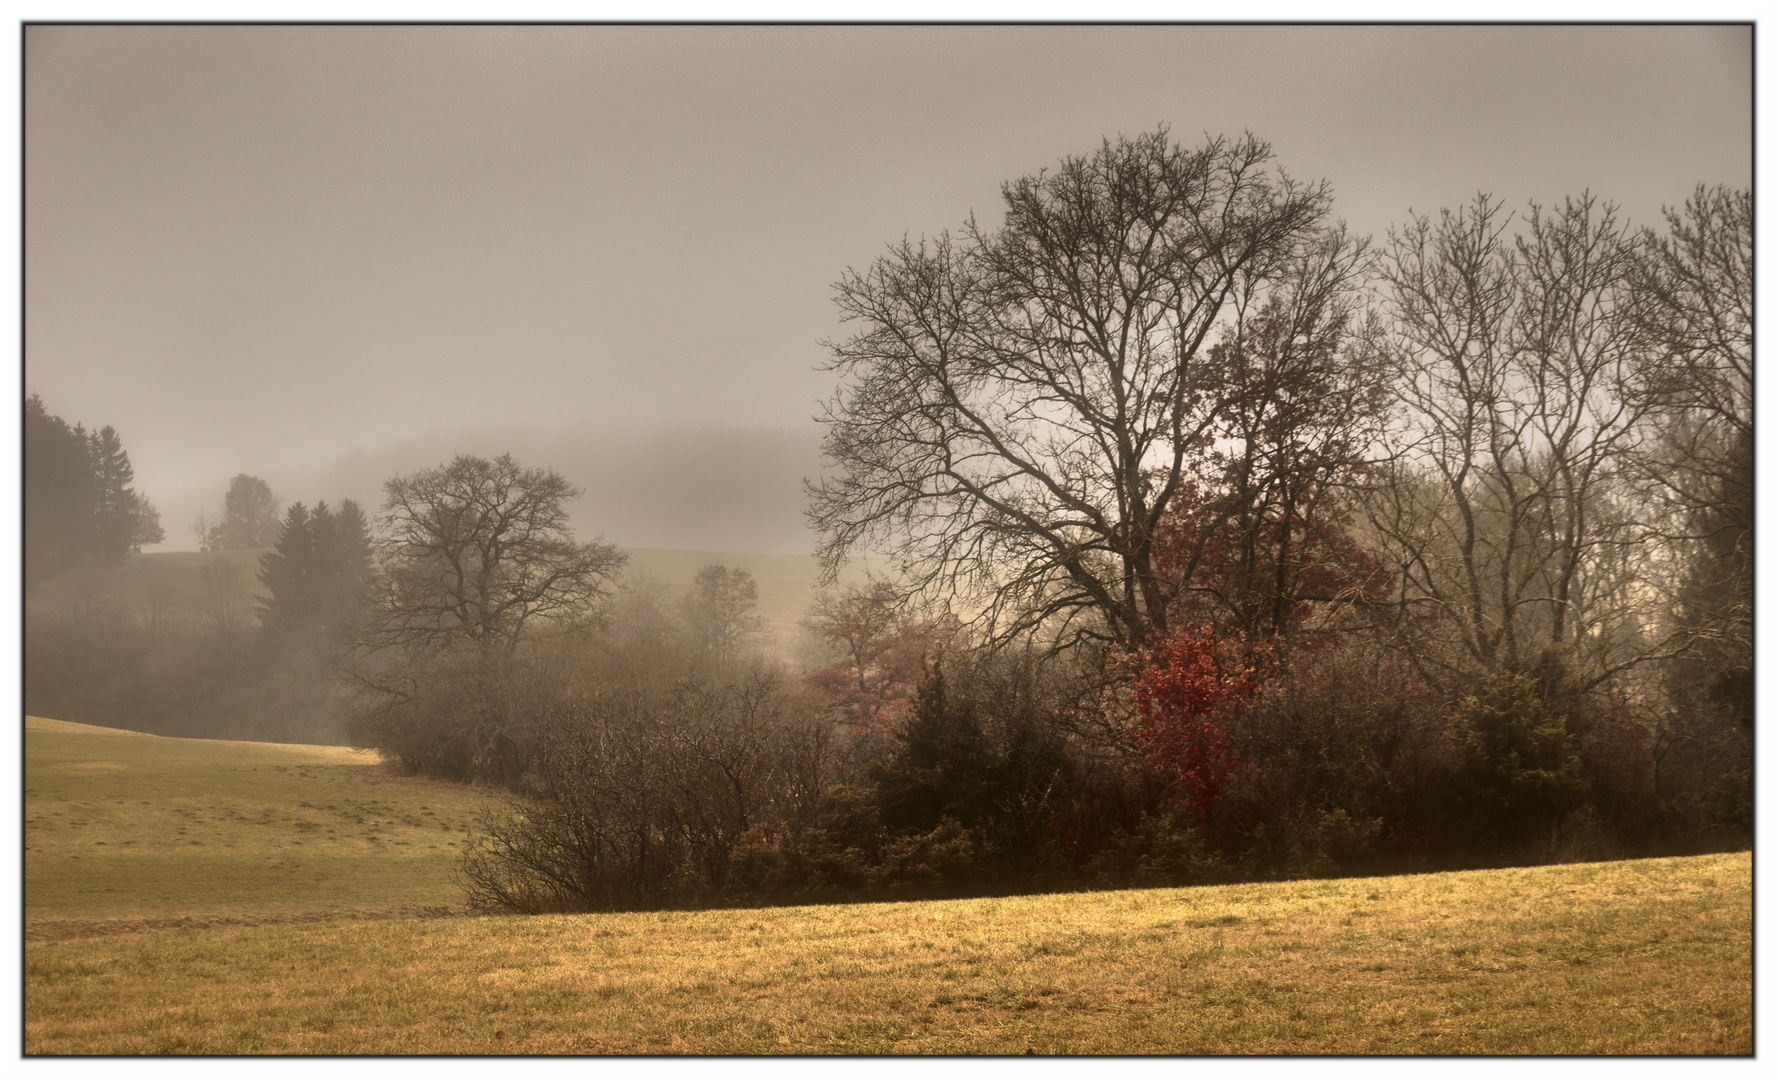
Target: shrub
[1517, 773]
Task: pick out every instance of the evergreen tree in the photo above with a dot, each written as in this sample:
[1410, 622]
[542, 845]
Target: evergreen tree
[286, 571]
[114, 501]
[317, 571]
[79, 504]
[942, 768]
[58, 492]
[344, 564]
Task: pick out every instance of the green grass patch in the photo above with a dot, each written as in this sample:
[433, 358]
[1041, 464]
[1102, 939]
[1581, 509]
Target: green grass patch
[121, 825]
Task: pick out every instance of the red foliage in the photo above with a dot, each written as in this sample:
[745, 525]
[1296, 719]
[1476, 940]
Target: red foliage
[1182, 693]
[1261, 542]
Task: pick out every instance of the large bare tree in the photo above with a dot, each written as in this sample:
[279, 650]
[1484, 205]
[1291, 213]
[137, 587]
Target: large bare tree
[1020, 404]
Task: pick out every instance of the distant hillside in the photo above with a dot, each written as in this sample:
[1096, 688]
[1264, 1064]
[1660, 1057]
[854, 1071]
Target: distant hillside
[786, 583]
[131, 584]
[730, 488]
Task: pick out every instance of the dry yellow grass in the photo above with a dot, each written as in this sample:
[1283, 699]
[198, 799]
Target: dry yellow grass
[1646, 957]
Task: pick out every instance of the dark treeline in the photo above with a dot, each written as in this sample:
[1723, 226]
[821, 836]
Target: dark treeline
[1223, 546]
[80, 505]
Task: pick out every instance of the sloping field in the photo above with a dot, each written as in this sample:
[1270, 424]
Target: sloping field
[1644, 957]
[122, 826]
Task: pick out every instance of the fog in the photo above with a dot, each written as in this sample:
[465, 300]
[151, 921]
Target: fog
[322, 255]
[712, 487]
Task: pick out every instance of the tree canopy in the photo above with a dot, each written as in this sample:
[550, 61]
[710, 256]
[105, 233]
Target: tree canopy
[478, 552]
[1020, 404]
[80, 502]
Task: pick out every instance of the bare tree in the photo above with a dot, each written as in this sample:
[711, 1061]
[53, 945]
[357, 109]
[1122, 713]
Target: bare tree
[203, 526]
[1506, 519]
[477, 553]
[1020, 404]
[881, 650]
[1693, 292]
[718, 611]
[1694, 310]
[1258, 537]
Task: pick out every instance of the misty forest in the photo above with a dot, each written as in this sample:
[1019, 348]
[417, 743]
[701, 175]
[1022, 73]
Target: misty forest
[1207, 543]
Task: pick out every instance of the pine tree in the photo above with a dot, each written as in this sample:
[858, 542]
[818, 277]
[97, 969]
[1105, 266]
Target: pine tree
[58, 492]
[287, 572]
[344, 558]
[114, 500]
[79, 504]
[943, 767]
[317, 571]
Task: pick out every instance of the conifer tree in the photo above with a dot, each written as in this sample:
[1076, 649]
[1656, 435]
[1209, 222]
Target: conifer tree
[318, 570]
[114, 500]
[343, 557]
[58, 492]
[285, 571]
[79, 504]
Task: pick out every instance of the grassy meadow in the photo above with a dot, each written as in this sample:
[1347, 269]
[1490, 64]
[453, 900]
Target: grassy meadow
[124, 826]
[131, 585]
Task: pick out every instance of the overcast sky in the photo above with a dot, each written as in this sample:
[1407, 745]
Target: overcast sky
[324, 254]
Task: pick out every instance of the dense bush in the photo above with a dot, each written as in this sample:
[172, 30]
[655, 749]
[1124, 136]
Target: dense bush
[637, 795]
[1517, 773]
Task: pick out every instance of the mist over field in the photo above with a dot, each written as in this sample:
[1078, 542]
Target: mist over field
[710, 487]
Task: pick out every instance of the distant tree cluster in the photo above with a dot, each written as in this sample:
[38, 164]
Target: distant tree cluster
[319, 571]
[80, 505]
[185, 654]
